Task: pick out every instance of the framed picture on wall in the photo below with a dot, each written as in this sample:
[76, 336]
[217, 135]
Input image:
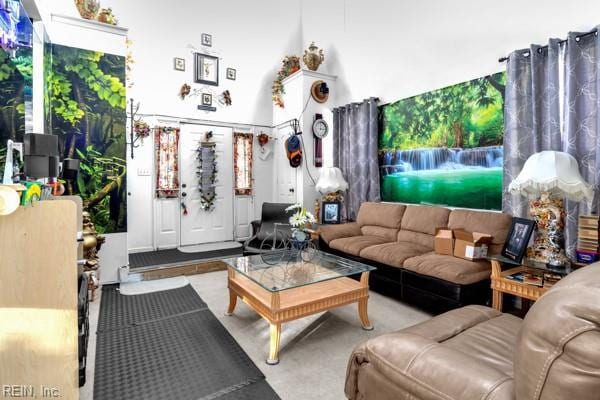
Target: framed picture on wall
[206, 69]
[518, 239]
[206, 99]
[179, 64]
[332, 212]
[231, 73]
[206, 40]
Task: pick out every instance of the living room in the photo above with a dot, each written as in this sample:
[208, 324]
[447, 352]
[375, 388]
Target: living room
[300, 200]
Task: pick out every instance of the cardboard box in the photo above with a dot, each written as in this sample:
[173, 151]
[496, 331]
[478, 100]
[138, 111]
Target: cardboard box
[471, 246]
[444, 241]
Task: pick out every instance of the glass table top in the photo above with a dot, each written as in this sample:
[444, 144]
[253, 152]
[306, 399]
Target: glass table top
[287, 269]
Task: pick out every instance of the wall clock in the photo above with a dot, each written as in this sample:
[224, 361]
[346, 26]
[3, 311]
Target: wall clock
[320, 130]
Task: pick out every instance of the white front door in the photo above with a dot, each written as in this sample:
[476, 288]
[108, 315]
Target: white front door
[286, 175]
[200, 226]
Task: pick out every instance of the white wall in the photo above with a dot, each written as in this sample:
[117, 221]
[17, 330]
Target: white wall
[397, 49]
[250, 37]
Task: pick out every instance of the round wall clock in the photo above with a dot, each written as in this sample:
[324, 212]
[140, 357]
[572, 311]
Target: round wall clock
[320, 128]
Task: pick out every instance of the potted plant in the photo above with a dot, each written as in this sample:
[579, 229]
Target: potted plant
[300, 221]
[106, 16]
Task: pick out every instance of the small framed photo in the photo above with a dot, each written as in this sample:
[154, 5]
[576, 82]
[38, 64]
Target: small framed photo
[206, 40]
[332, 212]
[206, 69]
[179, 64]
[206, 99]
[518, 239]
[231, 73]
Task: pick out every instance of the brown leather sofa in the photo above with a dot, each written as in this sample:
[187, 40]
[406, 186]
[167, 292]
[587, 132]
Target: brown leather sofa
[399, 239]
[476, 352]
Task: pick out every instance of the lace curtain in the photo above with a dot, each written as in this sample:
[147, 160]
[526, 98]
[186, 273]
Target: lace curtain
[242, 163]
[166, 144]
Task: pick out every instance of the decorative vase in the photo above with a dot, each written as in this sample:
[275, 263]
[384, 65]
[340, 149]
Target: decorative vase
[300, 239]
[88, 9]
[313, 57]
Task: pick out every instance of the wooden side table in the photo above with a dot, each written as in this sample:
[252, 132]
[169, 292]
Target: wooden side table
[501, 284]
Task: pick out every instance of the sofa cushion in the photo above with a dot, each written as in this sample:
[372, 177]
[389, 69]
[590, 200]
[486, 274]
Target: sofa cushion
[424, 219]
[380, 214]
[491, 342]
[418, 238]
[481, 332]
[332, 232]
[392, 254]
[452, 269]
[353, 245]
[493, 223]
[389, 234]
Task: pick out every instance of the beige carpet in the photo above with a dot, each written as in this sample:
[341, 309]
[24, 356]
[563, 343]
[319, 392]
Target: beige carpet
[315, 350]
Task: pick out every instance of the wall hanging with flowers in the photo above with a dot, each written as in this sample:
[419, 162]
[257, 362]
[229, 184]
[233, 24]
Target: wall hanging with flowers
[207, 172]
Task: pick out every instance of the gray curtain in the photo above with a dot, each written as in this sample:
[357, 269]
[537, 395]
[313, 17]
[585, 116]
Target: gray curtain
[531, 114]
[540, 83]
[582, 121]
[355, 140]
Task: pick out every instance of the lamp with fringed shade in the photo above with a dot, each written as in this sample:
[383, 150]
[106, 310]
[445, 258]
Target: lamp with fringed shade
[547, 178]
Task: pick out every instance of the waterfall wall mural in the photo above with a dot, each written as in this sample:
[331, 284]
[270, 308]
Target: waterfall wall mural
[445, 147]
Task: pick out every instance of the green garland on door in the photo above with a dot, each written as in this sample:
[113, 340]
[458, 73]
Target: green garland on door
[207, 173]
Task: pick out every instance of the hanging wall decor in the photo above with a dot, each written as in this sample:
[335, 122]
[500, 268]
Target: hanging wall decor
[207, 172]
[166, 142]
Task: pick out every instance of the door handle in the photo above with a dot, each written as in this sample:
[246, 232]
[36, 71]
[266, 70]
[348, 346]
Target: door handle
[292, 190]
[183, 194]
[183, 185]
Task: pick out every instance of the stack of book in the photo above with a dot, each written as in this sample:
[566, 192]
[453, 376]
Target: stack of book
[587, 243]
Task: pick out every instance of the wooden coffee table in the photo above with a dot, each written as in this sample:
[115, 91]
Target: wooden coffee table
[285, 285]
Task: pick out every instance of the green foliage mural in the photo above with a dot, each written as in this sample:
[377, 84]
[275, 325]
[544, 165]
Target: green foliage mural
[15, 89]
[85, 106]
[445, 146]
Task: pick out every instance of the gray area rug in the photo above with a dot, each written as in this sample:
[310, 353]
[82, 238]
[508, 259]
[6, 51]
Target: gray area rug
[169, 345]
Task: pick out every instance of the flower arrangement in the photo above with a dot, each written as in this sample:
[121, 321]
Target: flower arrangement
[290, 64]
[141, 129]
[301, 219]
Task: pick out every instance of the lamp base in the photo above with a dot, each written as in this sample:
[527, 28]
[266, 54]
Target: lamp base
[548, 245]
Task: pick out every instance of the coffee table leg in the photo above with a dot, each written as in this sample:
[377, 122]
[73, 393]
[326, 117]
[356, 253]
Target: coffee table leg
[275, 330]
[362, 304]
[232, 302]
[364, 317]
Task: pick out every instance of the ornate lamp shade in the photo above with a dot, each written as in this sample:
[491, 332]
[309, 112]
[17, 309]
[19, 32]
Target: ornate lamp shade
[331, 180]
[552, 172]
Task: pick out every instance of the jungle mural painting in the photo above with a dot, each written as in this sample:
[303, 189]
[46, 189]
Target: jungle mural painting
[445, 147]
[16, 79]
[85, 106]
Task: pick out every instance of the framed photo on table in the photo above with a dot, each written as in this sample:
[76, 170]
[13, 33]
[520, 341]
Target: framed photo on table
[331, 212]
[518, 239]
[206, 69]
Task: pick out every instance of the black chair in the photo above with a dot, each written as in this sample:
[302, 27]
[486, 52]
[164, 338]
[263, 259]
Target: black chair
[271, 232]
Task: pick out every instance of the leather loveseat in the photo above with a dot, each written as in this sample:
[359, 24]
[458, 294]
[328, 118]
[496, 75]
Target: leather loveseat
[399, 239]
[476, 352]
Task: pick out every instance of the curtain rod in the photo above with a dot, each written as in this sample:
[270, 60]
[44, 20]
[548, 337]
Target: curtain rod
[577, 39]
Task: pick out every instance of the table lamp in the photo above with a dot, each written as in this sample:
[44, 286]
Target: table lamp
[331, 183]
[547, 178]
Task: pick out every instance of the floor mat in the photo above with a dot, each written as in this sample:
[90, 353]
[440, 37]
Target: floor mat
[118, 311]
[174, 256]
[178, 356]
[152, 286]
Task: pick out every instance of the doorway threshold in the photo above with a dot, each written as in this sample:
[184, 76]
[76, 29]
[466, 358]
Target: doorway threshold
[139, 262]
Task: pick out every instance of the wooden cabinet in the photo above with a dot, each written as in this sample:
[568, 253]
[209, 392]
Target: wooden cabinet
[38, 300]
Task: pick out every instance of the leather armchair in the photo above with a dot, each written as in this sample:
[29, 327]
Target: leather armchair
[270, 232]
[476, 352]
